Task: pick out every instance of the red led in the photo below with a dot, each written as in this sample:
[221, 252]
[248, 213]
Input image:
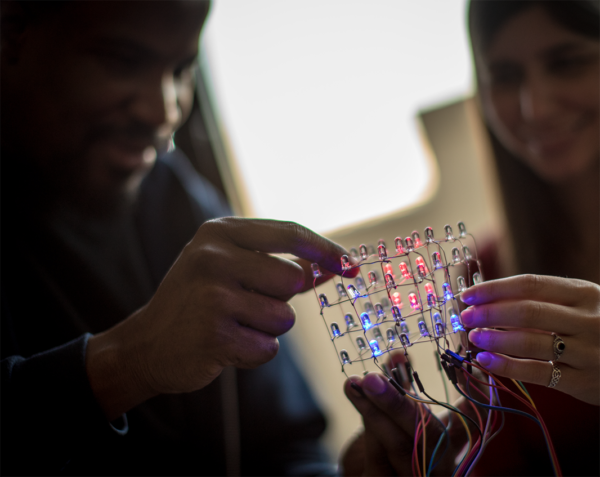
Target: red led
[389, 281]
[420, 261]
[404, 270]
[388, 268]
[397, 299]
[429, 289]
[414, 302]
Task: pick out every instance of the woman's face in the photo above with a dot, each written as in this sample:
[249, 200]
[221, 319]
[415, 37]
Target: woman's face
[540, 90]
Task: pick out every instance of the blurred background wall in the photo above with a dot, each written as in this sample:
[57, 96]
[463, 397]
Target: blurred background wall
[391, 88]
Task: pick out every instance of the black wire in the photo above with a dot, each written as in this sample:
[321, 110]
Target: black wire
[454, 410]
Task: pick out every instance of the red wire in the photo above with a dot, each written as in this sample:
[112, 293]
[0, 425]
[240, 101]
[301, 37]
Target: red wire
[524, 401]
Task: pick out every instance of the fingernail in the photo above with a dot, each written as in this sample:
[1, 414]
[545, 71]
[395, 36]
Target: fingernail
[374, 384]
[467, 296]
[467, 317]
[475, 336]
[484, 359]
[357, 391]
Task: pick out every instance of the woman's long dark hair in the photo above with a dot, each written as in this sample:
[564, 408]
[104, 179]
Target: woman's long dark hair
[536, 223]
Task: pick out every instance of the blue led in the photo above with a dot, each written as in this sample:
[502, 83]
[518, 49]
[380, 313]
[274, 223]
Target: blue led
[455, 321]
[404, 339]
[448, 295]
[380, 310]
[354, 293]
[335, 329]
[345, 357]
[403, 327]
[390, 335]
[375, 347]
[323, 299]
[366, 321]
[423, 329]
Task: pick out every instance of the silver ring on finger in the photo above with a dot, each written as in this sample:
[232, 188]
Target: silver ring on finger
[556, 374]
[558, 346]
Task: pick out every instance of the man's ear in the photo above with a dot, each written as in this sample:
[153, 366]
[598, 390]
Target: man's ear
[13, 26]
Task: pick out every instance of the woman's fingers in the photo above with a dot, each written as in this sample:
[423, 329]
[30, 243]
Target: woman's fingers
[523, 344]
[529, 370]
[556, 290]
[524, 314]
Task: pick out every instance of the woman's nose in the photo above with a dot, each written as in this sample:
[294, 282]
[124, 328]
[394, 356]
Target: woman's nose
[536, 100]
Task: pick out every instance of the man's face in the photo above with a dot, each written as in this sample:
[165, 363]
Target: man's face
[97, 88]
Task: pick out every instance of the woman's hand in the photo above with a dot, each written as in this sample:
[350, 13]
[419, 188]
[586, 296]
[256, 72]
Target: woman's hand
[529, 308]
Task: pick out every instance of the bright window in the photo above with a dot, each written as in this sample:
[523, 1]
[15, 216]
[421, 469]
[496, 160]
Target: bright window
[318, 100]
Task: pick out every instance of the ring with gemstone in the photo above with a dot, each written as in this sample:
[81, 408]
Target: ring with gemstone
[558, 346]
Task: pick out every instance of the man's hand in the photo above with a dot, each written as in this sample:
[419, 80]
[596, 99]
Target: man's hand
[223, 303]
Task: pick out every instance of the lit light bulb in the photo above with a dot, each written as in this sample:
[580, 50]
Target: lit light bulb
[447, 291]
[375, 347]
[397, 299]
[455, 321]
[437, 260]
[353, 292]
[388, 268]
[414, 302]
[316, 271]
[366, 321]
[404, 270]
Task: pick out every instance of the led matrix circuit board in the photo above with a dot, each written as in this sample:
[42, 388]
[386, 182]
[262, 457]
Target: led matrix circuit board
[408, 296]
[401, 297]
